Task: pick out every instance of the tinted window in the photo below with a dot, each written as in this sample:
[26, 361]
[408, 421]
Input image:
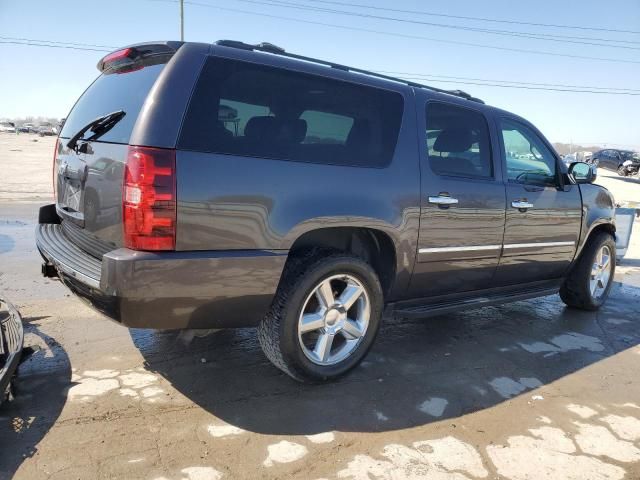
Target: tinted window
[111, 92]
[528, 158]
[246, 109]
[458, 141]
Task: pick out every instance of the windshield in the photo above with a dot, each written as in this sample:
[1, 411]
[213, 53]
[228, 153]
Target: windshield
[630, 155]
[111, 92]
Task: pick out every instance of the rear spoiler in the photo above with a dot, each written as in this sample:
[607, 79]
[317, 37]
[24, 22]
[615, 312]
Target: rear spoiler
[128, 56]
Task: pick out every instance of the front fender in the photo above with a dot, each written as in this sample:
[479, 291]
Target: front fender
[598, 209]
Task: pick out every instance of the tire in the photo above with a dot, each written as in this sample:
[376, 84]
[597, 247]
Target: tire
[280, 334]
[577, 290]
[622, 171]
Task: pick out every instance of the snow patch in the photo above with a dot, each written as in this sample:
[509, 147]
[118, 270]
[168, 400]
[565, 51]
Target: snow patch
[581, 410]
[326, 437]
[625, 427]
[284, 452]
[599, 441]
[440, 459]
[92, 387]
[554, 456]
[381, 416]
[564, 343]
[507, 387]
[434, 406]
[226, 430]
[201, 473]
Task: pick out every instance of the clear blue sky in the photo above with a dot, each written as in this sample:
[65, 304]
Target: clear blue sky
[47, 81]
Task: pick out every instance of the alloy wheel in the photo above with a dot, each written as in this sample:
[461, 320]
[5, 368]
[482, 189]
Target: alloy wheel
[334, 319]
[600, 273]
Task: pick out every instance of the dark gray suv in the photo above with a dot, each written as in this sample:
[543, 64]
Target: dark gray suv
[235, 185]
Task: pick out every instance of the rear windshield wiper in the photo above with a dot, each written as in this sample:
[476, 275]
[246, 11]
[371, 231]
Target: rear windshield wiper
[98, 127]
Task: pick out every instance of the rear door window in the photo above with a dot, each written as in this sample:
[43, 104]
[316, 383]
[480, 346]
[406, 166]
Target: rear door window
[110, 92]
[458, 141]
[241, 108]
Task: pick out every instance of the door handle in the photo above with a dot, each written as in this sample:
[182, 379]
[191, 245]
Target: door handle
[443, 200]
[521, 204]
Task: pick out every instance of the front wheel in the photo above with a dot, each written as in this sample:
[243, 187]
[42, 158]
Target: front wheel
[324, 318]
[589, 282]
[622, 171]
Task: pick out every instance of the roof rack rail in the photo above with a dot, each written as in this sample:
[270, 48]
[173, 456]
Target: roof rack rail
[274, 49]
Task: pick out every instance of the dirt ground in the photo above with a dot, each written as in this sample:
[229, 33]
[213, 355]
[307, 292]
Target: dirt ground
[526, 391]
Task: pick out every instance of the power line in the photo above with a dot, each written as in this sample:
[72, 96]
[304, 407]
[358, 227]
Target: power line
[479, 19]
[57, 42]
[69, 47]
[407, 75]
[509, 33]
[411, 36]
[413, 74]
[523, 87]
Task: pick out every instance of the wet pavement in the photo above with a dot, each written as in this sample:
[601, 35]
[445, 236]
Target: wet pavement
[530, 390]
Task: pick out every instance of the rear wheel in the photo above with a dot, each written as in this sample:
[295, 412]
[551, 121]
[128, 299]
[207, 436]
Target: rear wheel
[622, 171]
[324, 318]
[587, 286]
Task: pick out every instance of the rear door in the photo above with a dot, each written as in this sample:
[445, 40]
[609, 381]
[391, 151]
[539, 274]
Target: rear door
[463, 201]
[543, 216]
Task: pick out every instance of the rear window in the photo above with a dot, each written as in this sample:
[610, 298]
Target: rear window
[240, 108]
[110, 92]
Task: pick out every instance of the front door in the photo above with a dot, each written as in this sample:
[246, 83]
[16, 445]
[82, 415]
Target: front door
[463, 202]
[543, 216]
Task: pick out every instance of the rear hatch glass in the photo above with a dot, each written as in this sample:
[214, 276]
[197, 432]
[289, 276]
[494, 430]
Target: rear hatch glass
[111, 92]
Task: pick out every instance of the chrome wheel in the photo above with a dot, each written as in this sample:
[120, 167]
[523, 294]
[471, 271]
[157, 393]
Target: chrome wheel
[334, 319]
[600, 272]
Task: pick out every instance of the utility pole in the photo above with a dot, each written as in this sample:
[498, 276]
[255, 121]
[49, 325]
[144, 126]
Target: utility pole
[182, 20]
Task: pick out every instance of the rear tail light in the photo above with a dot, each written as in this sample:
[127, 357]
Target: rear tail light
[54, 180]
[149, 199]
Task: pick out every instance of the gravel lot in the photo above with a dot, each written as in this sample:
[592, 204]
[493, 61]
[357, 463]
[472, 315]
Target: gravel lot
[525, 391]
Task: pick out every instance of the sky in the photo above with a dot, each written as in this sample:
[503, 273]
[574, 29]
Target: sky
[41, 81]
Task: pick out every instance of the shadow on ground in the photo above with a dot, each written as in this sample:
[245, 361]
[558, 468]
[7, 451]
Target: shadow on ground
[24, 422]
[417, 372]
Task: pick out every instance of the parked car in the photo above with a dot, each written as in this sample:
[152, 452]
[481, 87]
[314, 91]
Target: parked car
[315, 209]
[7, 127]
[613, 159]
[30, 128]
[47, 131]
[11, 343]
[568, 159]
[23, 128]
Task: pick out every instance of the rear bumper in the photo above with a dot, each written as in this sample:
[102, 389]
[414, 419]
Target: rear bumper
[167, 290]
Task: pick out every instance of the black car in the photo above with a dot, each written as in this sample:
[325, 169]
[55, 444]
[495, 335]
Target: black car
[613, 159]
[234, 185]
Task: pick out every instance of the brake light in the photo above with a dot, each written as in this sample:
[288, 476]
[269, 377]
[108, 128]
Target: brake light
[117, 55]
[53, 171]
[149, 199]
[117, 59]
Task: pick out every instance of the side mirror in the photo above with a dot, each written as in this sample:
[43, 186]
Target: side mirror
[582, 172]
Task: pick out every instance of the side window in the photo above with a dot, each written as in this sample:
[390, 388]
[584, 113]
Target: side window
[458, 141]
[327, 128]
[246, 109]
[528, 158]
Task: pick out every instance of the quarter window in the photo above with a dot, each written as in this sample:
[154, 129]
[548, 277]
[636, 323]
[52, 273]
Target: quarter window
[458, 141]
[241, 108]
[528, 158]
